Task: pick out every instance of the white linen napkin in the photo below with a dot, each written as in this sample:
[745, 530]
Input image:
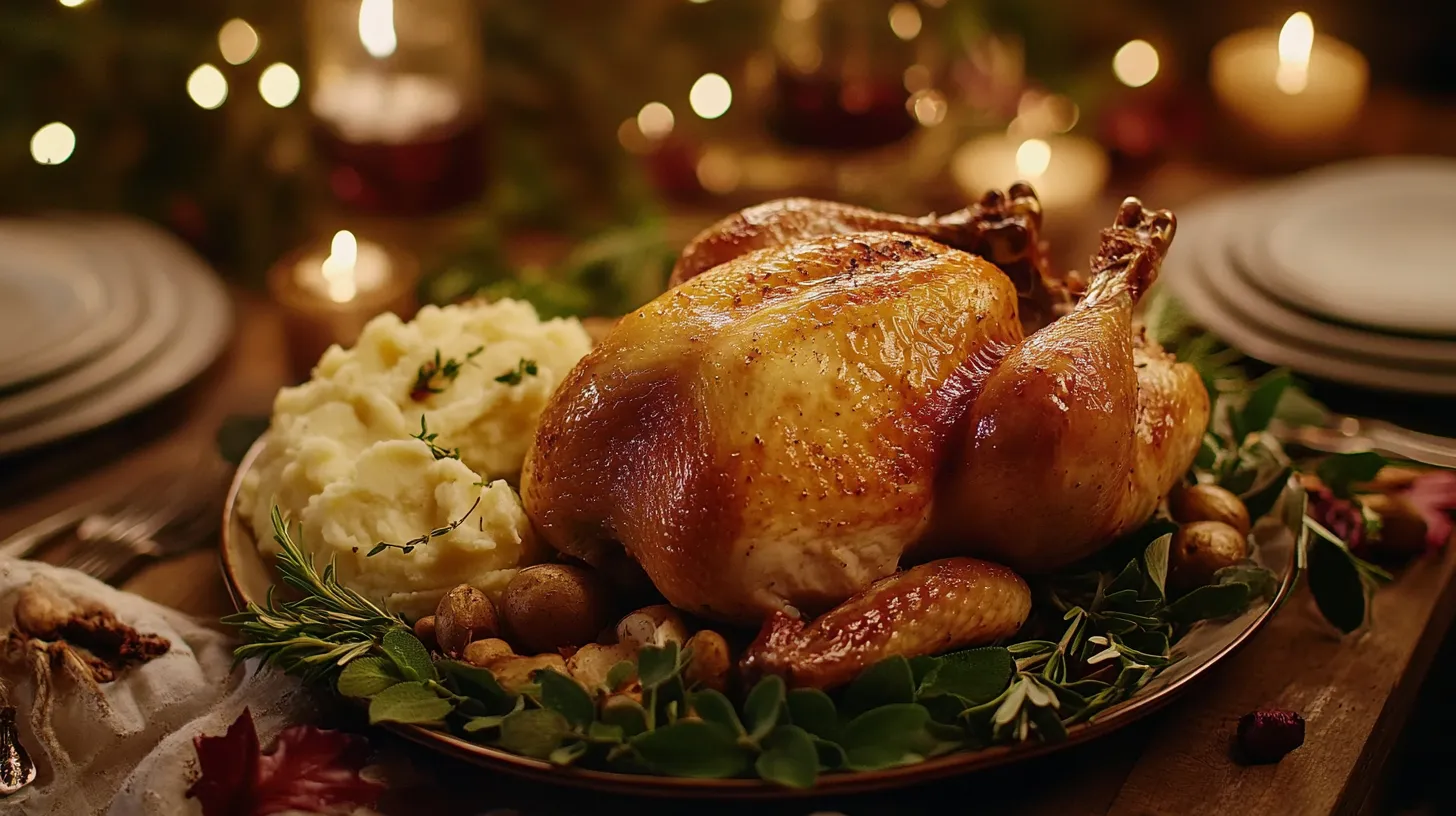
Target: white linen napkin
[125, 747]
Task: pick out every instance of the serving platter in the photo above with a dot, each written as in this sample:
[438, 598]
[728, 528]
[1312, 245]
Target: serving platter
[249, 577]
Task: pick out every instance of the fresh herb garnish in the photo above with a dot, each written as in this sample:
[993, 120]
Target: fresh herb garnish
[431, 370]
[429, 439]
[409, 546]
[523, 368]
[317, 635]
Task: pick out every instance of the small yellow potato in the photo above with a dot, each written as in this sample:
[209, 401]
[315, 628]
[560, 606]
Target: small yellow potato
[464, 615]
[656, 625]
[482, 653]
[1208, 502]
[514, 673]
[711, 661]
[591, 663]
[553, 605]
[425, 631]
[1200, 549]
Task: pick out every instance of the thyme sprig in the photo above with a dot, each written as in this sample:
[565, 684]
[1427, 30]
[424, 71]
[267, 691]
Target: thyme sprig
[409, 546]
[431, 370]
[523, 368]
[429, 439]
[329, 626]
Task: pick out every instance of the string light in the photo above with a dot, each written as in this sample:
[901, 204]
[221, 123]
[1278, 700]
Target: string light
[207, 87]
[279, 85]
[655, 120]
[905, 21]
[710, 96]
[53, 144]
[1136, 63]
[237, 41]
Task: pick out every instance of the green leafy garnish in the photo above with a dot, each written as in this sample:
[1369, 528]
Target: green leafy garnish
[429, 439]
[432, 371]
[523, 369]
[420, 540]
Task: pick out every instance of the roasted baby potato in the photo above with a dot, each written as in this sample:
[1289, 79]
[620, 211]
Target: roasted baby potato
[482, 653]
[515, 672]
[1206, 502]
[591, 663]
[1200, 549]
[464, 615]
[656, 625]
[711, 661]
[553, 605]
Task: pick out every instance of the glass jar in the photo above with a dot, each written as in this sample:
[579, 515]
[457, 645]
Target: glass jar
[396, 89]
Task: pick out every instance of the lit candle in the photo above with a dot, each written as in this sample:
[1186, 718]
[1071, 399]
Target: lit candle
[327, 294]
[1293, 85]
[1066, 171]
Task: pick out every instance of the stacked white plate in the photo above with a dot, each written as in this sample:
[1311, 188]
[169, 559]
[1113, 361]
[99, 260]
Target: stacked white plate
[1347, 273]
[98, 318]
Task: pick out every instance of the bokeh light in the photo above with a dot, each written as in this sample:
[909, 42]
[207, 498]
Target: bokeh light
[71, 3]
[53, 144]
[655, 120]
[928, 107]
[237, 41]
[1033, 158]
[376, 27]
[905, 20]
[207, 87]
[279, 85]
[1136, 63]
[710, 96]
[719, 171]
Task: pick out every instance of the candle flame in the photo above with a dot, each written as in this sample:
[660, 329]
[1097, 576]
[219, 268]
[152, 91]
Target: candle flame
[376, 27]
[338, 268]
[1033, 158]
[1296, 41]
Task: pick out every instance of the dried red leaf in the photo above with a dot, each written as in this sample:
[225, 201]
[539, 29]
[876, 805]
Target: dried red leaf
[308, 769]
[1266, 735]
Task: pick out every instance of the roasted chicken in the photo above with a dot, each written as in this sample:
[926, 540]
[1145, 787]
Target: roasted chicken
[828, 394]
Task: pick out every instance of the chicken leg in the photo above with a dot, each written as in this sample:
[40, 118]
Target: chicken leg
[1081, 429]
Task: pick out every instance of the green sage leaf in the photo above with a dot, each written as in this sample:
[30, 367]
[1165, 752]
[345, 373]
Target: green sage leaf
[714, 708]
[1155, 562]
[409, 655]
[533, 732]
[789, 758]
[1341, 471]
[409, 702]
[813, 711]
[1335, 581]
[601, 732]
[477, 684]
[1210, 602]
[921, 667]
[1263, 401]
[365, 677]
[620, 675]
[626, 714]
[1262, 582]
[887, 682]
[475, 724]
[567, 754]
[691, 748]
[562, 694]
[657, 665]
[764, 706]
[976, 675]
[1262, 500]
[887, 736]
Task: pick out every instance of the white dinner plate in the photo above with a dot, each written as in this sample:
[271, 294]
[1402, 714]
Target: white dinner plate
[56, 308]
[200, 336]
[1208, 305]
[1371, 243]
[1226, 262]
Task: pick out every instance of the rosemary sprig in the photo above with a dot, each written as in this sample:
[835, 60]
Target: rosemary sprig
[409, 546]
[523, 368]
[429, 439]
[429, 370]
[321, 632]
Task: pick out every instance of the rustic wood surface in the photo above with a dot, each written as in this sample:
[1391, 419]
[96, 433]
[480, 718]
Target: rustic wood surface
[1356, 693]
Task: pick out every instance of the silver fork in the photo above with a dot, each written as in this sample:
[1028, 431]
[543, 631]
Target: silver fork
[175, 519]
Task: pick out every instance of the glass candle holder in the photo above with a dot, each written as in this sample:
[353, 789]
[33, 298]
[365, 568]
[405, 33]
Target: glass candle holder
[397, 93]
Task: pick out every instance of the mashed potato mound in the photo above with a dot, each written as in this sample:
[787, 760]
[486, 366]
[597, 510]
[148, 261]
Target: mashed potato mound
[340, 460]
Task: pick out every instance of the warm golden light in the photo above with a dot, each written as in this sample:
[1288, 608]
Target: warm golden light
[1033, 158]
[905, 20]
[52, 144]
[1296, 41]
[376, 27]
[631, 138]
[71, 3]
[655, 120]
[338, 268]
[718, 171]
[279, 85]
[710, 96]
[237, 41]
[207, 87]
[1136, 63]
[799, 10]
[917, 78]
[928, 107]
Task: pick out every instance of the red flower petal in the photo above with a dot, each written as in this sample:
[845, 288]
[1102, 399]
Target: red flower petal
[1433, 496]
[229, 765]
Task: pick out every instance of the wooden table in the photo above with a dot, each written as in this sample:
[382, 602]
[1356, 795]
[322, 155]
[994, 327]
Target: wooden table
[1356, 693]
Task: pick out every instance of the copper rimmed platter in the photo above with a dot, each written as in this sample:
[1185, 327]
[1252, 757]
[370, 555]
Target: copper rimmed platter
[249, 575]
